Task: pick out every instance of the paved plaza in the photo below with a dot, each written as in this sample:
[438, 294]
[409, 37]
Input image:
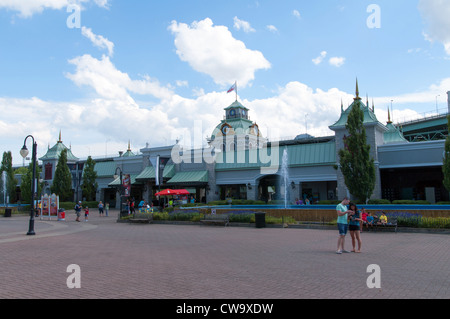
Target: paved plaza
[135, 261]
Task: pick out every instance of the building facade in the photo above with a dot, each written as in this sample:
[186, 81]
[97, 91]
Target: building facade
[239, 163]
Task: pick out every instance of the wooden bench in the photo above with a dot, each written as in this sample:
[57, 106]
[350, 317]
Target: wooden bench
[216, 219]
[143, 218]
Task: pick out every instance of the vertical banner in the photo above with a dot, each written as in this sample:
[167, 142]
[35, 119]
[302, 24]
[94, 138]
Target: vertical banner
[162, 163]
[159, 163]
[126, 184]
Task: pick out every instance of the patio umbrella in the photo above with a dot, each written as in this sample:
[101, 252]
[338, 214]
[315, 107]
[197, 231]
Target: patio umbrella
[170, 192]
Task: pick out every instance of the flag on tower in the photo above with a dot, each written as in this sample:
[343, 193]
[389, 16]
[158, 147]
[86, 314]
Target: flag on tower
[232, 88]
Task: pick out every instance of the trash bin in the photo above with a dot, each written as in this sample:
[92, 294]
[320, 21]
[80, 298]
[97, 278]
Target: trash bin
[260, 220]
[61, 214]
[7, 212]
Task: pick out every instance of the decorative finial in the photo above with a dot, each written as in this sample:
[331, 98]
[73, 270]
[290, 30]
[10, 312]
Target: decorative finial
[342, 106]
[357, 91]
[389, 117]
[59, 141]
[129, 147]
[373, 106]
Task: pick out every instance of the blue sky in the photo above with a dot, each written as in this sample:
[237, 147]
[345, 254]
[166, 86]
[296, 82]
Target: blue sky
[145, 71]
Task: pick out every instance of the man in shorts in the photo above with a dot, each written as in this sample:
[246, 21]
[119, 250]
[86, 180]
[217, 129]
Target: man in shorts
[342, 223]
[78, 210]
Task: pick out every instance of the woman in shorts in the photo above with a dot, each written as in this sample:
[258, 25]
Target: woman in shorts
[354, 227]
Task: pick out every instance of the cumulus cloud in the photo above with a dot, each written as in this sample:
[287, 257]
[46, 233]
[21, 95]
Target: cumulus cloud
[320, 58]
[214, 51]
[109, 82]
[296, 14]
[436, 15]
[272, 28]
[28, 8]
[98, 40]
[337, 61]
[244, 25]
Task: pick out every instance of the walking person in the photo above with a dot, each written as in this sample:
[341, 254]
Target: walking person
[86, 214]
[355, 227]
[342, 223]
[100, 208]
[78, 210]
[106, 208]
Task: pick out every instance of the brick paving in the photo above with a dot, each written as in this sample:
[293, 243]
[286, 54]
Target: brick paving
[134, 261]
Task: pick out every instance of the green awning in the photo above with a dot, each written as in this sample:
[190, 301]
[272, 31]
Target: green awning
[149, 173]
[189, 177]
[116, 182]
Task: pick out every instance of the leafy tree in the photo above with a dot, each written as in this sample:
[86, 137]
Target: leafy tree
[11, 181]
[446, 164]
[25, 184]
[89, 186]
[62, 182]
[357, 166]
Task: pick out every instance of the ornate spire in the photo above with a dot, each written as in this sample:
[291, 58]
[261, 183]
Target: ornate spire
[373, 106]
[357, 91]
[59, 141]
[389, 117]
[129, 147]
[342, 106]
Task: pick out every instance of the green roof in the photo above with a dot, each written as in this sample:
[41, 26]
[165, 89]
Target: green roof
[234, 105]
[189, 177]
[105, 169]
[369, 116]
[149, 173]
[298, 155]
[393, 135]
[55, 152]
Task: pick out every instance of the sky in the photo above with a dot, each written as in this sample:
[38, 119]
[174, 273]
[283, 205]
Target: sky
[106, 73]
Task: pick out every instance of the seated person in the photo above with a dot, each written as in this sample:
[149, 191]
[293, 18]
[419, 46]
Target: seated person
[383, 219]
[369, 220]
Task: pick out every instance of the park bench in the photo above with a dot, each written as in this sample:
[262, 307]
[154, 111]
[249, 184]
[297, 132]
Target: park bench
[216, 219]
[391, 224]
[144, 218]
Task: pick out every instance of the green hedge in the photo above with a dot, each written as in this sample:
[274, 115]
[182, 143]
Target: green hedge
[71, 205]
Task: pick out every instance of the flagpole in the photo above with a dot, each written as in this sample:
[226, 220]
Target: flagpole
[235, 84]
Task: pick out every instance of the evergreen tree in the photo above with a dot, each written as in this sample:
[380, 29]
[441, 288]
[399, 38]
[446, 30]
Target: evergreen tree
[11, 181]
[89, 186]
[25, 184]
[446, 164]
[62, 182]
[357, 166]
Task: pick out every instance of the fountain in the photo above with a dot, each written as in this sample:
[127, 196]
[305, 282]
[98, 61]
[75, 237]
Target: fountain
[285, 176]
[4, 189]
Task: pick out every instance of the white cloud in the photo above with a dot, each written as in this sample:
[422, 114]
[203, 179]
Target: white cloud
[337, 61]
[108, 82]
[214, 51]
[98, 40]
[244, 25]
[436, 14]
[27, 8]
[272, 28]
[320, 58]
[296, 14]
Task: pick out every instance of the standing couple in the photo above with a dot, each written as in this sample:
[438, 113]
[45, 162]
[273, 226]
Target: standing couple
[348, 220]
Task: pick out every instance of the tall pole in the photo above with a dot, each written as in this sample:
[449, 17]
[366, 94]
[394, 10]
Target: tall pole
[24, 153]
[33, 190]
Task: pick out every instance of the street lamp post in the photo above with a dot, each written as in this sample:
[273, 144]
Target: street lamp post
[120, 191]
[24, 152]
